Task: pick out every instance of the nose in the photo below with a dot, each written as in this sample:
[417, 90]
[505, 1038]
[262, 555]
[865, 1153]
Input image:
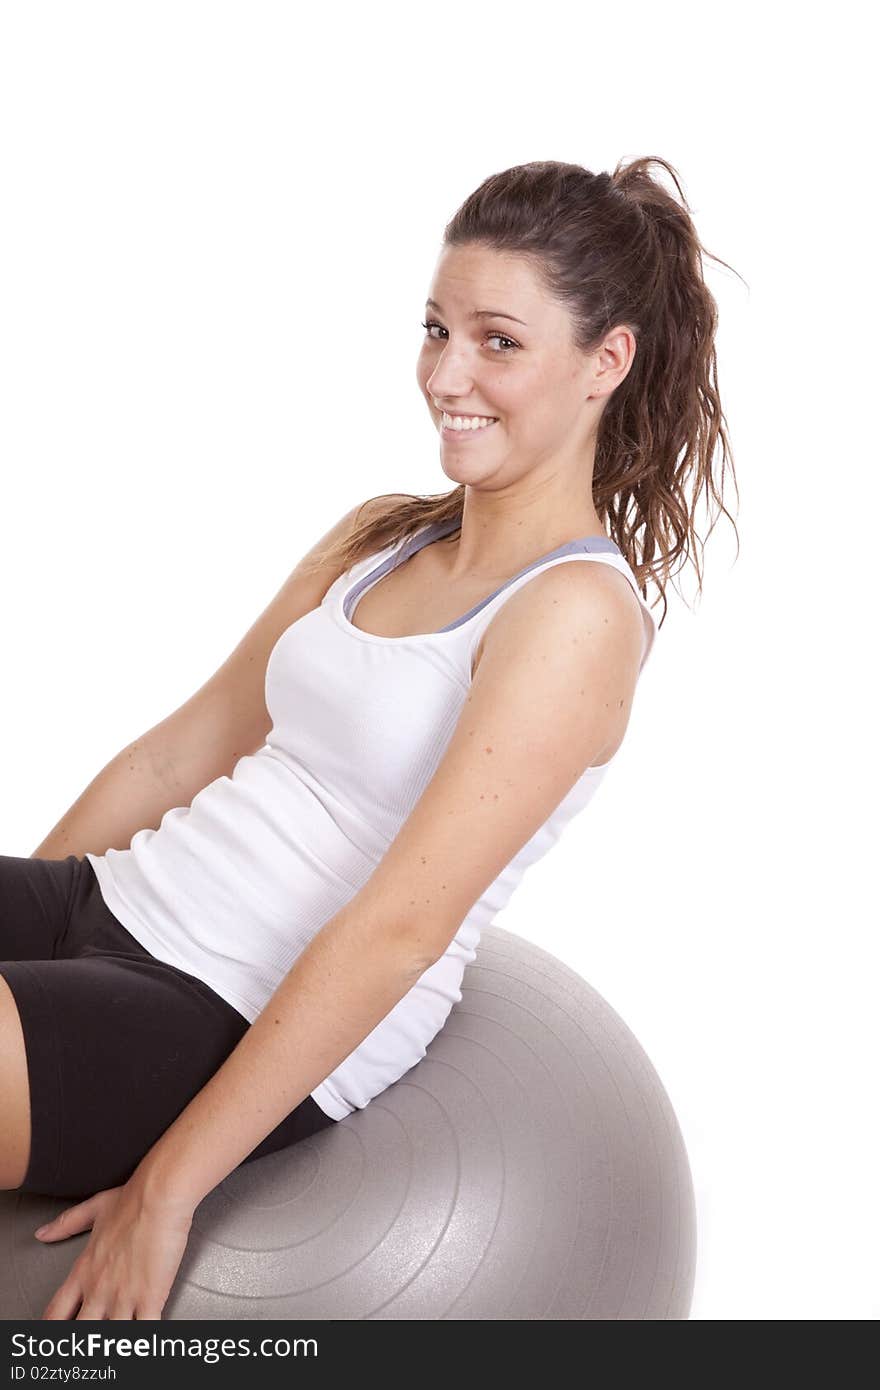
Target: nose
[450, 380]
[447, 386]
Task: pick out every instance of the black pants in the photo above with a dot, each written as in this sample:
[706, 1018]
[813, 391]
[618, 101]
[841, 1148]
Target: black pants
[117, 1042]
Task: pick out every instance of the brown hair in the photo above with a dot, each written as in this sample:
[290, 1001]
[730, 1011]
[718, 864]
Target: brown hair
[615, 249]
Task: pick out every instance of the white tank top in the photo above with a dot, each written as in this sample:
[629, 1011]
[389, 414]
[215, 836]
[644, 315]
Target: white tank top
[232, 888]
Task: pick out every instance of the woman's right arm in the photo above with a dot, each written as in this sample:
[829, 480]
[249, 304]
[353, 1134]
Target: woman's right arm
[200, 741]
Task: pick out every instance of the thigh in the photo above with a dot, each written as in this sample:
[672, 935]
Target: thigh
[35, 902]
[117, 1046]
[14, 1094]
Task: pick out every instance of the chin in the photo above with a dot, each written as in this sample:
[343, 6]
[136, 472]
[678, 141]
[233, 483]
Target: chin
[461, 471]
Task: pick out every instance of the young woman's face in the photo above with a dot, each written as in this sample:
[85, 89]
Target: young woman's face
[517, 363]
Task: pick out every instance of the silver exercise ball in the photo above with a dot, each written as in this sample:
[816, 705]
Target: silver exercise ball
[529, 1167]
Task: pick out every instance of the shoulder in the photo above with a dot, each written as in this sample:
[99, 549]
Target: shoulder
[322, 565]
[552, 698]
[572, 602]
[375, 506]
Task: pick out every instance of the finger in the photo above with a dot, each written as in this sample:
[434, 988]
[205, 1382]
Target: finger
[94, 1309]
[151, 1312]
[64, 1302]
[70, 1222]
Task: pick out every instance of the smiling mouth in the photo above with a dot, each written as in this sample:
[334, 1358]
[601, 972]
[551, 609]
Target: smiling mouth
[448, 429]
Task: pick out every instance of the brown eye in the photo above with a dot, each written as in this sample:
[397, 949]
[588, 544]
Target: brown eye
[506, 339]
[513, 345]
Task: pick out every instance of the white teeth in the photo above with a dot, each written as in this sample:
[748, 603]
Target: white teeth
[468, 422]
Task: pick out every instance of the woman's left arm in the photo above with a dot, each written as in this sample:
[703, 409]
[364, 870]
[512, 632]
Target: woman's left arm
[348, 978]
[551, 694]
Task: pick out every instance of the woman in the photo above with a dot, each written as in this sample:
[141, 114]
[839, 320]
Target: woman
[429, 699]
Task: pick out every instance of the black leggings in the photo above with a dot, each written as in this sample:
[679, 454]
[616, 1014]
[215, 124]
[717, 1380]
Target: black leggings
[117, 1042]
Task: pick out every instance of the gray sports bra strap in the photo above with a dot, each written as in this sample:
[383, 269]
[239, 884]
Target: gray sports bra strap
[587, 545]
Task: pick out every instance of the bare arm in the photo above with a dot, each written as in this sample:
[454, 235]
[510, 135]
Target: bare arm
[203, 739]
[141, 783]
[347, 979]
[551, 694]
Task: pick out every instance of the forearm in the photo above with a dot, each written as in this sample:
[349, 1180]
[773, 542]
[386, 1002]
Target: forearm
[143, 781]
[126, 796]
[344, 983]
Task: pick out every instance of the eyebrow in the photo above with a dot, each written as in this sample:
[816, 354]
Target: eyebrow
[479, 313]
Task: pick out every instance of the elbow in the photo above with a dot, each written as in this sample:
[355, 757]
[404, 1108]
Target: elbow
[418, 949]
[418, 936]
[420, 941]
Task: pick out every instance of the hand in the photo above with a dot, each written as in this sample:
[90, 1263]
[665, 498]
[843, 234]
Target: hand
[129, 1265]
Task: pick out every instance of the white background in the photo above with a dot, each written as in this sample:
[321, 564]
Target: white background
[219, 224]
